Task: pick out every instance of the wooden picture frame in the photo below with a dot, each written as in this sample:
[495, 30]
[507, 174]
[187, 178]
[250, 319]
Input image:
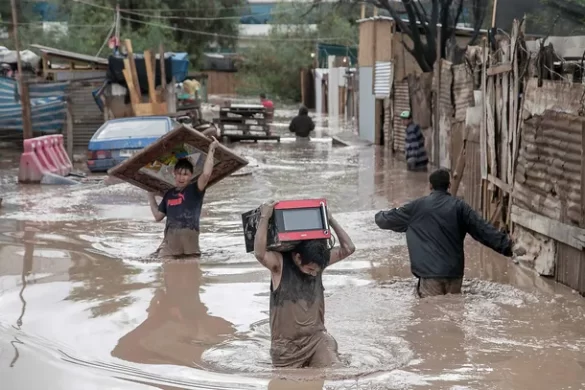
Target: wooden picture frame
[140, 169]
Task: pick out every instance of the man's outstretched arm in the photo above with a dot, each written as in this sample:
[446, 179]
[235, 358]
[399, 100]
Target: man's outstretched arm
[484, 232]
[346, 246]
[269, 259]
[396, 219]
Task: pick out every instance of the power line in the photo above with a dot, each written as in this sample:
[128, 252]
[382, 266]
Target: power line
[232, 36]
[68, 24]
[133, 12]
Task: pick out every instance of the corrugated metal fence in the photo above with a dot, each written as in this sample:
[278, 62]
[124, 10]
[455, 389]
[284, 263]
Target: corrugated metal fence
[87, 117]
[401, 103]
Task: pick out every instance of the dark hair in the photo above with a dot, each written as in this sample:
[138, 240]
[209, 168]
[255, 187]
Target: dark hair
[314, 251]
[440, 179]
[303, 110]
[184, 164]
[262, 95]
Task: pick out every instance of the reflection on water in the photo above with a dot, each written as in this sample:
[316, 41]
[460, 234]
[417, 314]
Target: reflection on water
[82, 305]
[178, 328]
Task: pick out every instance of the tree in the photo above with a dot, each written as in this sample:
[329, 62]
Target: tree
[273, 65]
[185, 25]
[555, 17]
[426, 21]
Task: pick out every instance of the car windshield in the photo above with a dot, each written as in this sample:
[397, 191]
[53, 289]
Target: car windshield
[134, 129]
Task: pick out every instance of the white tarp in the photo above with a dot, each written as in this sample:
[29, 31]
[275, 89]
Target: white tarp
[26, 56]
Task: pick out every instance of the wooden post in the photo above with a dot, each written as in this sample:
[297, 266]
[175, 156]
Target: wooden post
[27, 129]
[494, 13]
[363, 11]
[69, 131]
[163, 74]
[582, 224]
[437, 115]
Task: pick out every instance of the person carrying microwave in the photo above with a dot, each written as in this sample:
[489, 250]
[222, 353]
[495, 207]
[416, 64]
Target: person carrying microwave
[297, 302]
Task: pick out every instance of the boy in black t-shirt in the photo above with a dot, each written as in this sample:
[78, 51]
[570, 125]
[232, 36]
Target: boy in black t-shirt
[182, 208]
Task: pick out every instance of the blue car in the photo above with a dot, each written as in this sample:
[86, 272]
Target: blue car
[118, 139]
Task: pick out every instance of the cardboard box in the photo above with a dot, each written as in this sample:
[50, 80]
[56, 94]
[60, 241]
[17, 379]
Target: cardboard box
[152, 168]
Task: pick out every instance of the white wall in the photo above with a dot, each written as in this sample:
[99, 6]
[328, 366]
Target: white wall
[367, 104]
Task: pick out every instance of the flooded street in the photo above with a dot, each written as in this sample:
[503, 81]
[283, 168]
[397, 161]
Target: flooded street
[82, 306]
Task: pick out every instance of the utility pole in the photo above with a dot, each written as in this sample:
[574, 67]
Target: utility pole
[27, 130]
[494, 13]
[117, 30]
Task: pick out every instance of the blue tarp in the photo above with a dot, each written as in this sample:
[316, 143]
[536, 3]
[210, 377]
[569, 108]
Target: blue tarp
[180, 66]
[47, 101]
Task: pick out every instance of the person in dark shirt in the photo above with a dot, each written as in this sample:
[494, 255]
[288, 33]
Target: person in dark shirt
[302, 124]
[435, 227]
[414, 144]
[297, 302]
[182, 208]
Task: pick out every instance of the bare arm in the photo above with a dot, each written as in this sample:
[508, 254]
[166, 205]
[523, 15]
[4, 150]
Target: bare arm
[269, 259]
[155, 208]
[203, 179]
[346, 246]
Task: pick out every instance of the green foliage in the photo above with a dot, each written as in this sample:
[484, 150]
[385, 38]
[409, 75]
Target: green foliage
[177, 24]
[273, 65]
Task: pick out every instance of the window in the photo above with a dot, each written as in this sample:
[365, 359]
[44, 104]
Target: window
[134, 129]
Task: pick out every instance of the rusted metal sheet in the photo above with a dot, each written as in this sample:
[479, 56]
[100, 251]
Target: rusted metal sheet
[401, 103]
[570, 267]
[553, 95]
[548, 173]
[445, 115]
[462, 91]
[420, 95]
[87, 117]
[445, 101]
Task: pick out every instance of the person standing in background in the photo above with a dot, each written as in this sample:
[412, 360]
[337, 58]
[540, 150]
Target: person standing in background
[414, 144]
[302, 124]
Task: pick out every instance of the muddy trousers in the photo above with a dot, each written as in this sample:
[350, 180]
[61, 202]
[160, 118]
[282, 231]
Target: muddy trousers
[318, 350]
[428, 287]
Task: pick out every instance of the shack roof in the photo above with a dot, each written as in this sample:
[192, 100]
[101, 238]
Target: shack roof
[71, 56]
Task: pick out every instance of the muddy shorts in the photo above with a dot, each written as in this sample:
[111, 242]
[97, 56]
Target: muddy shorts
[318, 350]
[428, 287]
[180, 242]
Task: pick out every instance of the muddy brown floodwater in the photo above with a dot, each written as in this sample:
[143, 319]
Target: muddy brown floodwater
[81, 307]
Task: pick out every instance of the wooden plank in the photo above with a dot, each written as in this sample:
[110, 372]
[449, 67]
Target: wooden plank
[460, 165]
[163, 73]
[69, 131]
[499, 69]
[567, 234]
[582, 224]
[491, 128]
[483, 127]
[134, 99]
[132, 63]
[504, 129]
[500, 183]
[150, 76]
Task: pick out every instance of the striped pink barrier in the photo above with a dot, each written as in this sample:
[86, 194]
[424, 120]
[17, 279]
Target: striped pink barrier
[43, 155]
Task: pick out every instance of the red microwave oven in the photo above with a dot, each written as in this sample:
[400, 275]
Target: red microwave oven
[292, 221]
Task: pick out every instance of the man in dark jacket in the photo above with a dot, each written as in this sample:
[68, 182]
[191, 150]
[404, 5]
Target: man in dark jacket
[436, 226]
[302, 124]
